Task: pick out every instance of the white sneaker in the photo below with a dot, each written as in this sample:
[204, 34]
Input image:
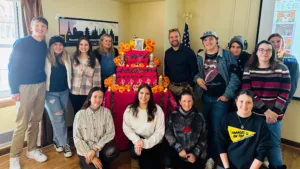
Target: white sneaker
[209, 164]
[67, 151]
[14, 163]
[58, 148]
[37, 155]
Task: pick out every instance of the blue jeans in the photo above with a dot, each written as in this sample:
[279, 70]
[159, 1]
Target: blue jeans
[274, 154]
[56, 104]
[213, 112]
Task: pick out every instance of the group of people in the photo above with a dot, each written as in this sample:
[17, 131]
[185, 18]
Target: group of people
[47, 77]
[267, 80]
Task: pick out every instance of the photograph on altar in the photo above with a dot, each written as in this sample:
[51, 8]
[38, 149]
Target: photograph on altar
[71, 29]
[139, 44]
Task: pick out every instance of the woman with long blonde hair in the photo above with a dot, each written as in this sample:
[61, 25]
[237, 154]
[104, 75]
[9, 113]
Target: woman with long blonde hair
[105, 54]
[58, 83]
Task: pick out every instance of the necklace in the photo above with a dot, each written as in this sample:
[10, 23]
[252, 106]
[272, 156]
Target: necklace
[242, 125]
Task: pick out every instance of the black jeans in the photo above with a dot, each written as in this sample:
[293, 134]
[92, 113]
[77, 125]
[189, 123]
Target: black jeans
[77, 101]
[107, 154]
[173, 160]
[149, 159]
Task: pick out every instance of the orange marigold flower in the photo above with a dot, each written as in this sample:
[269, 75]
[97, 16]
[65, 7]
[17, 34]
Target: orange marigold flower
[152, 43]
[127, 87]
[132, 65]
[123, 49]
[121, 89]
[154, 89]
[148, 43]
[121, 44]
[166, 78]
[165, 84]
[148, 48]
[160, 88]
[115, 88]
[141, 65]
[156, 62]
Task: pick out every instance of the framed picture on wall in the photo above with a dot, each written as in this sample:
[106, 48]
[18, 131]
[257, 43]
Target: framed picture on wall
[71, 29]
[139, 44]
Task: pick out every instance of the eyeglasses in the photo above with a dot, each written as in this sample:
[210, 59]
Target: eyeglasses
[261, 50]
[174, 29]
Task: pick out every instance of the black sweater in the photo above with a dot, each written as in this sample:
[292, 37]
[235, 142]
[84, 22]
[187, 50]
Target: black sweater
[187, 131]
[243, 145]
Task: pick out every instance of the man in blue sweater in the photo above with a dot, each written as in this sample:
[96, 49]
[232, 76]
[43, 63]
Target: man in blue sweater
[27, 77]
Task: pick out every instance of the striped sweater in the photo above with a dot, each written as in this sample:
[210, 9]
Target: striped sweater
[271, 88]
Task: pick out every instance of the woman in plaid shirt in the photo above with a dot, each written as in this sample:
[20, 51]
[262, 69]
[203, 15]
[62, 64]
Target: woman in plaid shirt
[86, 73]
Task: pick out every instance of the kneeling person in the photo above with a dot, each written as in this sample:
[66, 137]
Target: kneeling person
[93, 133]
[186, 133]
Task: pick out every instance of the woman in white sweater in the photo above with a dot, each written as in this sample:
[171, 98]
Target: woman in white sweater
[143, 124]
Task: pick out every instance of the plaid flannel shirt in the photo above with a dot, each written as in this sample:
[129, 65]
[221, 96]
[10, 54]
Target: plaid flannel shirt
[84, 78]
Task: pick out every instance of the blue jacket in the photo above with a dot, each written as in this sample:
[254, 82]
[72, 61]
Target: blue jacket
[227, 66]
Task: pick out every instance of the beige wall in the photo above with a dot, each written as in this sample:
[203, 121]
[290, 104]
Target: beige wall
[227, 18]
[291, 122]
[147, 21]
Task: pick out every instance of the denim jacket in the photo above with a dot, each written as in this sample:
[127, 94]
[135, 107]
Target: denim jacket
[227, 66]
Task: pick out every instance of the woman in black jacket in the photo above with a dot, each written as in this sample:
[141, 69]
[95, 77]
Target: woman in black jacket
[186, 133]
[105, 54]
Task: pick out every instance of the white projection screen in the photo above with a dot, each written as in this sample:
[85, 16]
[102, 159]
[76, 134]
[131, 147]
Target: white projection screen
[281, 16]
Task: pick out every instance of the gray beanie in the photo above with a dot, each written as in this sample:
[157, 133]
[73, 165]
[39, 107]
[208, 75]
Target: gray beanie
[239, 40]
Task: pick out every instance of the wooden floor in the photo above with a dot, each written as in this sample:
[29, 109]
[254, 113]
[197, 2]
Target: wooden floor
[291, 157]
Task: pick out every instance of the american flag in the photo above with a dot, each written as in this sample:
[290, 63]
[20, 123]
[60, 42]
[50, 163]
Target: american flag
[186, 36]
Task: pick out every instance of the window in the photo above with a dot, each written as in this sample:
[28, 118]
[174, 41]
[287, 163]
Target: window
[9, 32]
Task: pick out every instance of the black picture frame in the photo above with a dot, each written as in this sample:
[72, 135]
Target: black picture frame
[71, 29]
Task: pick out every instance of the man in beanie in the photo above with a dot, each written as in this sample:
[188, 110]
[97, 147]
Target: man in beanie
[217, 82]
[236, 46]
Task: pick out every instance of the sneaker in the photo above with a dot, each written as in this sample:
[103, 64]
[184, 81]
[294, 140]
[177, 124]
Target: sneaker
[209, 164]
[67, 151]
[37, 155]
[14, 163]
[58, 148]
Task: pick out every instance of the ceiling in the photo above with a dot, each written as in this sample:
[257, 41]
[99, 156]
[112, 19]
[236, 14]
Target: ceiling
[136, 1]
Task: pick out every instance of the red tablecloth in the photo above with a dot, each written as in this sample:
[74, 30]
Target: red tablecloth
[117, 103]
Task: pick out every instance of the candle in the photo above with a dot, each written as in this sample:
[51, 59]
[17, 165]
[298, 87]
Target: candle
[151, 57]
[122, 56]
[160, 80]
[114, 79]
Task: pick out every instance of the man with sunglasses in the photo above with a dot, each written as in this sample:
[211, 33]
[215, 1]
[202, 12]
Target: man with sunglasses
[180, 64]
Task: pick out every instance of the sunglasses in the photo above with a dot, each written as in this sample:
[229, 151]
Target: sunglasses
[174, 29]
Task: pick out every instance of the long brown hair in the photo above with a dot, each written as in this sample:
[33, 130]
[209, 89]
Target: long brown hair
[253, 62]
[87, 102]
[151, 107]
[277, 35]
[92, 57]
[111, 51]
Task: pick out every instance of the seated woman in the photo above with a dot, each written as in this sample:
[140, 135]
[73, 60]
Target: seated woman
[186, 133]
[93, 131]
[243, 137]
[144, 125]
